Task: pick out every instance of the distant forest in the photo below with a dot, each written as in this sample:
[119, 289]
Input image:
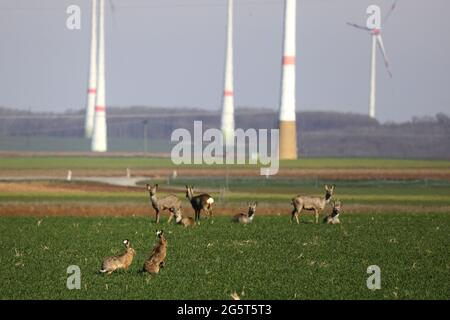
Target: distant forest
[319, 134]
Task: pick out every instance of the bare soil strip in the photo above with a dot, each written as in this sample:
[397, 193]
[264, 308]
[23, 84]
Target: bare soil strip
[327, 173]
[122, 210]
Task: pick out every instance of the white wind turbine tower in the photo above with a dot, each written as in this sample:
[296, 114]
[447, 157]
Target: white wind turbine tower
[288, 133]
[376, 40]
[99, 143]
[92, 86]
[227, 121]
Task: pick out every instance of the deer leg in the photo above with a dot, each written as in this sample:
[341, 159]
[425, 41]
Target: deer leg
[316, 212]
[293, 214]
[197, 215]
[210, 211]
[170, 217]
[297, 214]
[157, 216]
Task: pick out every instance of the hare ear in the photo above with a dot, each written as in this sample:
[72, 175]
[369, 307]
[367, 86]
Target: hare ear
[326, 187]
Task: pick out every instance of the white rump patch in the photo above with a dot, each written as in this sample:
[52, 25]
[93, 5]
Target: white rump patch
[210, 201]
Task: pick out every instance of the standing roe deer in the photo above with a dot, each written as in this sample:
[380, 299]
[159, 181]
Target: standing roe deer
[164, 203]
[201, 202]
[315, 204]
[246, 217]
[158, 255]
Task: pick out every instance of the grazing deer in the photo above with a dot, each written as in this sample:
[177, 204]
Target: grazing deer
[333, 217]
[201, 202]
[246, 217]
[158, 255]
[315, 204]
[179, 219]
[164, 203]
[120, 261]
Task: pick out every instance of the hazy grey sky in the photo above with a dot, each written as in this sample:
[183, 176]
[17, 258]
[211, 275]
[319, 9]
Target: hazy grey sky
[171, 53]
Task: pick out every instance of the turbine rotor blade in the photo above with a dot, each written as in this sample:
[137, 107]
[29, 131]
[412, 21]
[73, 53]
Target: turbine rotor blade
[383, 52]
[393, 6]
[357, 26]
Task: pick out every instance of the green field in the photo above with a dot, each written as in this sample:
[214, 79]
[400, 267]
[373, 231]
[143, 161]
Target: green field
[270, 259]
[74, 162]
[400, 224]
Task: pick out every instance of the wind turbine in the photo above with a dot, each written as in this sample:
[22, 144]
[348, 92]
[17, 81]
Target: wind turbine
[376, 40]
[227, 121]
[92, 86]
[288, 132]
[99, 135]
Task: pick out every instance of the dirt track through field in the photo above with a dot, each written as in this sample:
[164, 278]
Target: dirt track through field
[163, 173]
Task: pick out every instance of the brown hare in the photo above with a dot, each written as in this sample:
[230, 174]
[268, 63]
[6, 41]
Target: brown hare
[120, 261]
[157, 257]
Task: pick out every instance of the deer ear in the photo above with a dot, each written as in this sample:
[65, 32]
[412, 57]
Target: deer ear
[326, 187]
[156, 185]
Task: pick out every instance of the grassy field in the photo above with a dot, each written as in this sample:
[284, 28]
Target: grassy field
[270, 259]
[74, 162]
[399, 221]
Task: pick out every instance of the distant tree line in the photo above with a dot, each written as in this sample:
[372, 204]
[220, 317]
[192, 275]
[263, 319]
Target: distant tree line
[318, 133]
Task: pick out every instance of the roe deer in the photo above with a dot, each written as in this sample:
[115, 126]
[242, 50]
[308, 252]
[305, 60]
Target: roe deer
[164, 203]
[201, 202]
[120, 261]
[246, 217]
[315, 204]
[185, 221]
[156, 259]
[333, 217]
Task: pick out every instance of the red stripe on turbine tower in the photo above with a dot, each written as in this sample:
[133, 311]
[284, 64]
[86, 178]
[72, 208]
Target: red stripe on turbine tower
[289, 60]
[228, 93]
[92, 90]
[100, 109]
